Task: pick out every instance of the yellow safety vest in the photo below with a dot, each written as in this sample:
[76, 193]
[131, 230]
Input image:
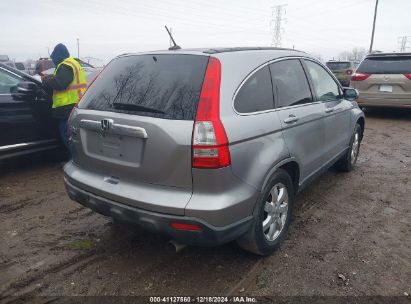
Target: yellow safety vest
[75, 90]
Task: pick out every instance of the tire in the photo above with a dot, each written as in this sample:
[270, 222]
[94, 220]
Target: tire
[276, 213]
[348, 160]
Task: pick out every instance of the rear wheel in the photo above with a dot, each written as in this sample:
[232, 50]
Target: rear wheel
[272, 216]
[347, 162]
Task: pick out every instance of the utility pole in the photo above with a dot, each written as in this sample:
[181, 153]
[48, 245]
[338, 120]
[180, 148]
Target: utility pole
[78, 48]
[373, 26]
[403, 40]
[276, 20]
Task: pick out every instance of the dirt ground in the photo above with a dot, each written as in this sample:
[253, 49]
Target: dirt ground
[350, 235]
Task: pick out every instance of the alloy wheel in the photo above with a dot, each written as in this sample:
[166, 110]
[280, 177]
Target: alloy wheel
[355, 147]
[275, 212]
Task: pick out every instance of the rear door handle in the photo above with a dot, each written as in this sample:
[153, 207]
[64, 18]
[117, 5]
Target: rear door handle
[291, 119]
[329, 110]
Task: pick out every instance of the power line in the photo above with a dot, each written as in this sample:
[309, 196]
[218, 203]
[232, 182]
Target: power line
[276, 20]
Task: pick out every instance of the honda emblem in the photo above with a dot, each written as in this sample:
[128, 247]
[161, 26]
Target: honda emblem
[106, 124]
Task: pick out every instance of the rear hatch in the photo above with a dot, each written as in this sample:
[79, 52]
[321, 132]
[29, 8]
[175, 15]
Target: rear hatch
[133, 130]
[385, 77]
[340, 69]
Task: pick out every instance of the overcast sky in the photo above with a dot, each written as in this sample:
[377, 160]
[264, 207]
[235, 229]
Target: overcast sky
[107, 28]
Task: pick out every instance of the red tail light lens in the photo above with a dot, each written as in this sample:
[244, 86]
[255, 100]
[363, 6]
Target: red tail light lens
[349, 72]
[189, 227]
[358, 76]
[209, 143]
[408, 76]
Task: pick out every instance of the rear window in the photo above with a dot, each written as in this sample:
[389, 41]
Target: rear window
[163, 86]
[386, 65]
[338, 65]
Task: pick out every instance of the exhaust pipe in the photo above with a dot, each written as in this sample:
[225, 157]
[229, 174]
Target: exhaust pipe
[175, 246]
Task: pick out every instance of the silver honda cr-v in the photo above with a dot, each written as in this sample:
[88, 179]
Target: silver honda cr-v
[209, 146]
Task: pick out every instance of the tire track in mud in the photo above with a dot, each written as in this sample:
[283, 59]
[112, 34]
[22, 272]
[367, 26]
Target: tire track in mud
[19, 204]
[29, 287]
[27, 284]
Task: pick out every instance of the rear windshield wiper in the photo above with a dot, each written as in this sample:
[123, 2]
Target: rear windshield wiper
[135, 107]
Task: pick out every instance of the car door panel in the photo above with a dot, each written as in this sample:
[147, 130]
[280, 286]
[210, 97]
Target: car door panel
[335, 111]
[337, 122]
[304, 137]
[22, 121]
[302, 119]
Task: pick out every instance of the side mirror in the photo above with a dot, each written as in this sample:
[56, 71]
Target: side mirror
[350, 94]
[25, 90]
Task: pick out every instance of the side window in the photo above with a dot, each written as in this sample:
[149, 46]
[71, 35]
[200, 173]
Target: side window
[7, 82]
[324, 85]
[256, 94]
[290, 83]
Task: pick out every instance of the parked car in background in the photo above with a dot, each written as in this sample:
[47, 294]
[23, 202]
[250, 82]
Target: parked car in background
[46, 64]
[210, 145]
[384, 80]
[89, 71]
[343, 70]
[42, 65]
[26, 123]
[21, 66]
[4, 58]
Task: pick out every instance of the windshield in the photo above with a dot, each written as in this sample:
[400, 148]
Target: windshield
[169, 84]
[386, 65]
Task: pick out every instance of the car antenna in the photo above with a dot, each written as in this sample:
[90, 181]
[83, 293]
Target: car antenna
[175, 46]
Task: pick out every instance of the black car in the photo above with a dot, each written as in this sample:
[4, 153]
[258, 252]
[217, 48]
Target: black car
[26, 122]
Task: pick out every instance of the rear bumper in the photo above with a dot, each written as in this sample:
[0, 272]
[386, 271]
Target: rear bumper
[159, 222]
[384, 102]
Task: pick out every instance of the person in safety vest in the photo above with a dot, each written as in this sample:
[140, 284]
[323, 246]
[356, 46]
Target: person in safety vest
[68, 84]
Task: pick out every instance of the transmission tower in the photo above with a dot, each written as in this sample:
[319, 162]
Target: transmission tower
[276, 20]
[403, 40]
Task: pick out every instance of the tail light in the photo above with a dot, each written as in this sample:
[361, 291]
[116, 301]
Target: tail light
[349, 72]
[209, 142]
[358, 76]
[69, 126]
[408, 76]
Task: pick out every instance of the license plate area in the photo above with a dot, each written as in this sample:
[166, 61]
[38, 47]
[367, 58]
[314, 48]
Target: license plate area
[113, 148]
[385, 88]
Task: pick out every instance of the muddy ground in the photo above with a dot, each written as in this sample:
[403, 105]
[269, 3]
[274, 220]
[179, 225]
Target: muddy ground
[351, 235]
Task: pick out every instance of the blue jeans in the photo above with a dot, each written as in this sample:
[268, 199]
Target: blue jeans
[64, 135]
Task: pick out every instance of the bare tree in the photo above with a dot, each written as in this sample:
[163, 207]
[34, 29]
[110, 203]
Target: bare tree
[318, 56]
[356, 54]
